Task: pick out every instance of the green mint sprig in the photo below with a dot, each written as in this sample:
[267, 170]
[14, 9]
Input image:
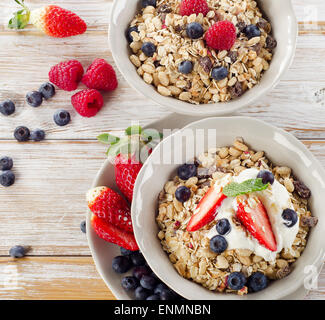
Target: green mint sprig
[235, 189]
[21, 18]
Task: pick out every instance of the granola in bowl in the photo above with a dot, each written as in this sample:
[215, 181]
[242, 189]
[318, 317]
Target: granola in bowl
[212, 55]
[233, 221]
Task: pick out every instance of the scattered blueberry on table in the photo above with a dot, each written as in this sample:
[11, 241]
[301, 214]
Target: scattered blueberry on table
[7, 178]
[47, 90]
[83, 226]
[18, 252]
[34, 98]
[61, 117]
[37, 135]
[22, 134]
[7, 107]
[6, 163]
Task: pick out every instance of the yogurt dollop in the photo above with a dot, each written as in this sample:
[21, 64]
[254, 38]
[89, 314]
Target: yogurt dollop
[275, 199]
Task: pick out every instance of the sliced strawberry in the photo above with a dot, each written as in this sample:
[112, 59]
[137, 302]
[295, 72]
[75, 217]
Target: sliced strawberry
[113, 234]
[206, 210]
[107, 204]
[253, 216]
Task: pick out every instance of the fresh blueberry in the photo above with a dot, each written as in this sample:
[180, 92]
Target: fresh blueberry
[148, 282]
[37, 135]
[252, 31]
[257, 282]
[137, 259]
[223, 226]
[7, 178]
[129, 31]
[17, 252]
[185, 67]
[218, 244]
[167, 294]
[266, 176]
[146, 3]
[219, 73]
[153, 297]
[236, 281]
[159, 288]
[22, 134]
[47, 90]
[182, 194]
[290, 216]
[129, 283]
[7, 107]
[140, 271]
[142, 293]
[34, 98]
[83, 226]
[6, 163]
[194, 30]
[148, 48]
[126, 252]
[121, 264]
[187, 171]
[61, 117]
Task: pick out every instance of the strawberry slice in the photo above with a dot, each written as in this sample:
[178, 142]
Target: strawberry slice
[113, 234]
[253, 216]
[107, 204]
[206, 210]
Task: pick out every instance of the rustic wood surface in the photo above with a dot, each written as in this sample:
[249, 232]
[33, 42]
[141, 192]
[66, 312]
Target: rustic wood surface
[46, 205]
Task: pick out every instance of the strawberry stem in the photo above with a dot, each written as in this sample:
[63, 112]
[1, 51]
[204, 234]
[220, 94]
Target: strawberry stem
[21, 18]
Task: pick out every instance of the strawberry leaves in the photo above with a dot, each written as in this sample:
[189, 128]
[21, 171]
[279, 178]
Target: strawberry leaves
[21, 18]
[234, 189]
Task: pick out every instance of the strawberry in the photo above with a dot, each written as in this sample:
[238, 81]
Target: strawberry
[206, 210]
[252, 214]
[108, 205]
[54, 21]
[113, 234]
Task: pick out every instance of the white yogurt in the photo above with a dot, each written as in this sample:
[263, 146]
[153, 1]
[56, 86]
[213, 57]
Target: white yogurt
[275, 199]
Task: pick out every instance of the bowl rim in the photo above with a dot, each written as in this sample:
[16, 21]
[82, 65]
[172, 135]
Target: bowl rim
[212, 109]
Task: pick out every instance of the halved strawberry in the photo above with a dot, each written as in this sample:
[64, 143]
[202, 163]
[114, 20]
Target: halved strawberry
[206, 210]
[113, 234]
[253, 216]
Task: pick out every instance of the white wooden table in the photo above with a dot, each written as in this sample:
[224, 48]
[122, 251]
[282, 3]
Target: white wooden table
[46, 205]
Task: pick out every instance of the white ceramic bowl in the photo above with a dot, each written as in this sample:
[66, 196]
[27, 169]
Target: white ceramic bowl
[281, 148]
[284, 25]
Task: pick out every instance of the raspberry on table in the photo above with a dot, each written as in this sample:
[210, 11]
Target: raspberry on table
[87, 102]
[189, 7]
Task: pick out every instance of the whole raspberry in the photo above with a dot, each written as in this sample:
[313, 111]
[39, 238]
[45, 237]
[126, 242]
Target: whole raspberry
[87, 102]
[221, 35]
[189, 7]
[100, 76]
[66, 75]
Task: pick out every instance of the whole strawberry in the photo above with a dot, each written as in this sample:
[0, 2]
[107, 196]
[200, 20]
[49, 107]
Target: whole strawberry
[54, 21]
[100, 75]
[221, 35]
[66, 75]
[87, 102]
[188, 7]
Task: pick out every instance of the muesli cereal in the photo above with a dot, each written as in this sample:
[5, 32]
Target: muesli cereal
[232, 221]
[201, 51]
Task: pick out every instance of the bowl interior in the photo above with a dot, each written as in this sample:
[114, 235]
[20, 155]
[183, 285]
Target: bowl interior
[280, 147]
[283, 21]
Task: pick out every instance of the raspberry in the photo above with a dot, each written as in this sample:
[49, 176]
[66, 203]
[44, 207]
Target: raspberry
[100, 76]
[189, 7]
[66, 75]
[87, 102]
[221, 35]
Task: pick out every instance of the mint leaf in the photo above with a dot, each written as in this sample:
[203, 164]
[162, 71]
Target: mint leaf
[133, 130]
[234, 189]
[108, 138]
[21, 18]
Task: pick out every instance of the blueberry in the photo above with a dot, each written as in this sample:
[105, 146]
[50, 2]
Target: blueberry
[140, 271]
[257, 282]
[182, 194]
[148, 282]
[142, 293]
[185, 67]
[148, 48]
[7, 178]
[146, 3]
[187, 171]
[167, 294]
[194, 30]
[126, 252]
[121, 264]
[6, 163]
[219, 73]
[290, 216]
[17, 252]
[218, 244]
[22, 134]
[61, 117]
[137, 259]
[83, 226]
[223, 226]
[129, 283]
[236, 281]
[34, 98]
[153, 297]
[7, 107]
[252, 31]
[159, 288]
[129, 31]
[266, 176]
[47, 90]
[37, 135]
